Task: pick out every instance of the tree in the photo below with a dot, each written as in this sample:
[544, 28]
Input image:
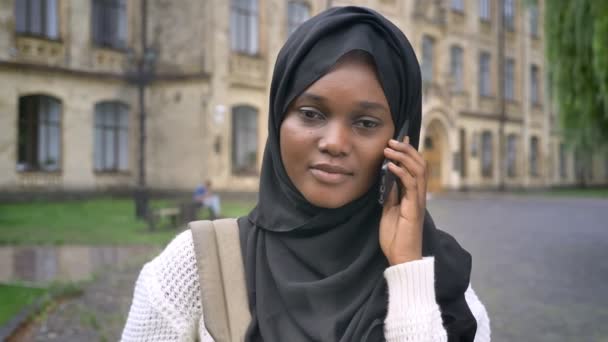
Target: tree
[576, 42]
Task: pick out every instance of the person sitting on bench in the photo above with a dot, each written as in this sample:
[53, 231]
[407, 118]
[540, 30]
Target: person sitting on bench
[206, 198]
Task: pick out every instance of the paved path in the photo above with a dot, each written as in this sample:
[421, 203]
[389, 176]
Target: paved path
[98, 315]
[539, 264]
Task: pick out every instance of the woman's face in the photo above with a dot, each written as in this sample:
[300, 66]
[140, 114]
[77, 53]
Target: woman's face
[333, 135]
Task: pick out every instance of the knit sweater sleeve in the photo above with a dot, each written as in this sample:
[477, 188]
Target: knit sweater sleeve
[413, 314]
[166, 303]
[167, 306]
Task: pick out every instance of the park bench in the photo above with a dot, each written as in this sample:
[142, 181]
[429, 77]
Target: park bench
[180, 214]
[156, 215]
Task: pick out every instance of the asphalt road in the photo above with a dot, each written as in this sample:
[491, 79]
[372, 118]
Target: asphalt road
[540, 265]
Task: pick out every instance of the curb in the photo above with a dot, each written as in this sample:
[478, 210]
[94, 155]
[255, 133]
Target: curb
[9, 328]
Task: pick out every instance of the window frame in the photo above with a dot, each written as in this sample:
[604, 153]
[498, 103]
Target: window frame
[508, 14]
[511, 155]
[457, 6]
[457, 68]
[295, 17]
[245, 12]
[485, 74]
[534, 19]
[509, 79]
[487, 151]
[251, 135]
[534, 156]
[535, 85]
[107, 18]
[24, 21]
[118, 127]
[34, 123]
[428, 52]
[485, 10]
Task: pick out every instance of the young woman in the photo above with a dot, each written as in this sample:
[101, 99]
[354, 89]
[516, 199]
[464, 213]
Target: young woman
[323, 260]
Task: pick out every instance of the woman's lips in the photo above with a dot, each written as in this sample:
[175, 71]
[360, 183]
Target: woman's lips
[330, 174]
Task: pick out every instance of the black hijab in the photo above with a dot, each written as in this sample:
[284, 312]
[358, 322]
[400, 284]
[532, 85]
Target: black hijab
[316, 274]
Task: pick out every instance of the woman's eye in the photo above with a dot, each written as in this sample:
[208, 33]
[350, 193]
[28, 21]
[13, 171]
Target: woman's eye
[311, 114]
[367, 124]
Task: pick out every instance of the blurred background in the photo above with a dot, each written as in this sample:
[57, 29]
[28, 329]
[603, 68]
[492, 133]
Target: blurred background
[114, 113]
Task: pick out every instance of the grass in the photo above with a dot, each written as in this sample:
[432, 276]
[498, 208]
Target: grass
[15, 298]
[93, 222]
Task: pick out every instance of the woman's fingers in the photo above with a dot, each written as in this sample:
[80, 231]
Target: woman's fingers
[407, 179]
[405, 147]
[406, 160]
[409, 158]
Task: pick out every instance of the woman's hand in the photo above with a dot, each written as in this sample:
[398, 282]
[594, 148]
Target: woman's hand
[402, 218]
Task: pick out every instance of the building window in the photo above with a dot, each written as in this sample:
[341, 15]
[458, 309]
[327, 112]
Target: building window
[37, 18]
[512, 155]
[534, 85]
[534, 156]
[534, 18]
[111, 144]
[244, 140]
[244, 26]
[463, 153]
[110, 23]
[456, 68]
[428, 45]
[39, 142]
[297, 13]
[484, 74]
[484, 10]
[486, 154]
[509, 14]
[563, 171]
[509, 81]
[457, 5]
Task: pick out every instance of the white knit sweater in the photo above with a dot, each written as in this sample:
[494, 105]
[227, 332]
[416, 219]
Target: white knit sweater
[167, 307]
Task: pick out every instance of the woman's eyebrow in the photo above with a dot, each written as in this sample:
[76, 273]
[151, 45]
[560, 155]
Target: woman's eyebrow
[372, 105]
[312, 97]
[368, 105]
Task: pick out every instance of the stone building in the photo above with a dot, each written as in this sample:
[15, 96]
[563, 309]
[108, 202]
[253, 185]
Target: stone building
[69, 103]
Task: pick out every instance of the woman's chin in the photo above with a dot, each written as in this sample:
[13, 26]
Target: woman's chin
[328, 199]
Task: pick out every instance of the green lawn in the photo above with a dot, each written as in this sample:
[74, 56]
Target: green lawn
[98, 221]
[16, 298]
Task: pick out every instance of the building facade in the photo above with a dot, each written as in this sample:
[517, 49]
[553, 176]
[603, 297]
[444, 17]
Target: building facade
[69, 100]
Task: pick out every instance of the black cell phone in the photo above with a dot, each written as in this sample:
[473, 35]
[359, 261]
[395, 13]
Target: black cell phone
[387, 178]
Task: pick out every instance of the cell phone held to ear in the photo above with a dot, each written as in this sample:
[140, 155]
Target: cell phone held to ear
[387, 178]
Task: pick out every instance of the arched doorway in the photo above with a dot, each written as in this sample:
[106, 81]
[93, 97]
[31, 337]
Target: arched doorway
[433, 150]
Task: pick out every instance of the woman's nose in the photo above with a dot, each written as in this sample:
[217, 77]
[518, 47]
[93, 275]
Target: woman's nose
[336, 140]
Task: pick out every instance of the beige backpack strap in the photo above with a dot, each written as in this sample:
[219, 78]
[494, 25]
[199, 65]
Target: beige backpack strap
[222, 278]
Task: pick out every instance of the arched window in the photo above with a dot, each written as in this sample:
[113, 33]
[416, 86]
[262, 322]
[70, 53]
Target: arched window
[244, 140]
[297, 13]
[244, 26]
[39, 142]
[111, 138]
